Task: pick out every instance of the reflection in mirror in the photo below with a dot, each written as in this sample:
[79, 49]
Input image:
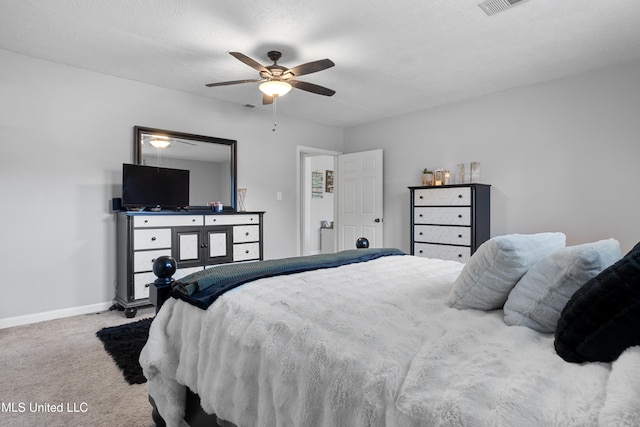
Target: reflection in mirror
[211, 162]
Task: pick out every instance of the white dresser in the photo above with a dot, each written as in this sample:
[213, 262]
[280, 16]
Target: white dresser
[449, 221]
[194, 240]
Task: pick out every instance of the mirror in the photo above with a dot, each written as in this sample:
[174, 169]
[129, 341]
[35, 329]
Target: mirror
[211, 162]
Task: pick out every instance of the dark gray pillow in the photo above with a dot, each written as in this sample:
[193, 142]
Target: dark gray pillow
[602, 318]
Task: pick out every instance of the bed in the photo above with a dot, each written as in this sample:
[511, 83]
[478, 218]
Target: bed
[399, 340]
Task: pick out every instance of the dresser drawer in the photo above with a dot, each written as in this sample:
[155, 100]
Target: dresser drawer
[231, 219]
[246, 233]
[246, 251]
[143, 260]
[141, 221]
[443, 234]
[141, 284]
[449, 196]
[444, 216]
[151, 239]
[453, 253]
[142, 281]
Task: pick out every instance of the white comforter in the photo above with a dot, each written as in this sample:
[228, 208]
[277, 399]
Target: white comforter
[374, 344]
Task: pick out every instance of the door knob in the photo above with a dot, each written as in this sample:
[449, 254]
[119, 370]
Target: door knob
[377, 220]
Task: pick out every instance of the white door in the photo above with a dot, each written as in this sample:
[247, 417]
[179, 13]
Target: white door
[360, 192]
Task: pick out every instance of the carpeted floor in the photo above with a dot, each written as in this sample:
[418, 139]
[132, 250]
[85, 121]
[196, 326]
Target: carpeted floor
[57, 373]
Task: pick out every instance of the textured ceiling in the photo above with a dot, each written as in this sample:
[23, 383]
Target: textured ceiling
[392, 57]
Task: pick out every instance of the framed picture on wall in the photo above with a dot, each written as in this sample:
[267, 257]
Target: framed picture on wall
[329, 182]
[316, 185]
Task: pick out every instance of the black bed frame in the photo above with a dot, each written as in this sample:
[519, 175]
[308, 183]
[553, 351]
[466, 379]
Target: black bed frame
[194, 415]
[164, 267]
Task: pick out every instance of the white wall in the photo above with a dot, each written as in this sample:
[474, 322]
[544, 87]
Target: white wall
[65, 133]
[562, 156]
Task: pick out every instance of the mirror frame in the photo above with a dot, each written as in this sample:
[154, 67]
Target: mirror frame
[231, 143]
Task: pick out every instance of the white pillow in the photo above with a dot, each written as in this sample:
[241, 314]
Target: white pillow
[497, 265]
[539, 297]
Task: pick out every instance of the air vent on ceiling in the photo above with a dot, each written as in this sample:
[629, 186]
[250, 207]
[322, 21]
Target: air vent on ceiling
[492, 7]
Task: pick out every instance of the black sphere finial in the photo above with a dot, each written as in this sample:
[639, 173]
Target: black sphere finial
[164, 267]
[362, 243]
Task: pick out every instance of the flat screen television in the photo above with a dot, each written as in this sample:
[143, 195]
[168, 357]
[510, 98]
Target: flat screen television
[154, 187]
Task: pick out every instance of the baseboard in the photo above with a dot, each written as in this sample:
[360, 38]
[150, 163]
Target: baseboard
[55, 314]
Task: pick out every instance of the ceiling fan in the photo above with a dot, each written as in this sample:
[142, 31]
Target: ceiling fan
[277, 80]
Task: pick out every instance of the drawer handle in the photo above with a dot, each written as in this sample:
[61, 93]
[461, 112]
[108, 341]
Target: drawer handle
[420, 251]
[246, 251]
[193, 220]
[246, 234]
[421, 197]
[420, 215]
[460, 216]
[153, 260]
[460, 236]
[147, 285]
[459, 196]
[146, 221]
[420, 233]
[153, 239]
[459, 255]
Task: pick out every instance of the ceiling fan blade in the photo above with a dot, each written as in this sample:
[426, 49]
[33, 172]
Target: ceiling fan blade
[310, 87]
[182, 141]
[266, 99]
[311, 67]
[250, 62]
[233, 82]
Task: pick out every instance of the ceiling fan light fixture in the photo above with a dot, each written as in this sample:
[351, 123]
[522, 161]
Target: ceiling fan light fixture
[275, 88]
[159, 142]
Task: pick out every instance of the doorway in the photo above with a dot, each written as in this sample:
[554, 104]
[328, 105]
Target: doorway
[316, 200]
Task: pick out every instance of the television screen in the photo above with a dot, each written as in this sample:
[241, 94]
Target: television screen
[151, 186]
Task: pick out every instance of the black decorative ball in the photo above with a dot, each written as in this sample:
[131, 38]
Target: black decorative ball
[362, 243]
[164, 267]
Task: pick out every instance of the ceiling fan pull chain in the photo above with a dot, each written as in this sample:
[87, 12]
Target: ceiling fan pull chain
[275, 102]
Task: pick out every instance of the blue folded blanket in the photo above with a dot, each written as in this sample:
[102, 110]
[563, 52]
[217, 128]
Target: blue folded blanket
[202, 288]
